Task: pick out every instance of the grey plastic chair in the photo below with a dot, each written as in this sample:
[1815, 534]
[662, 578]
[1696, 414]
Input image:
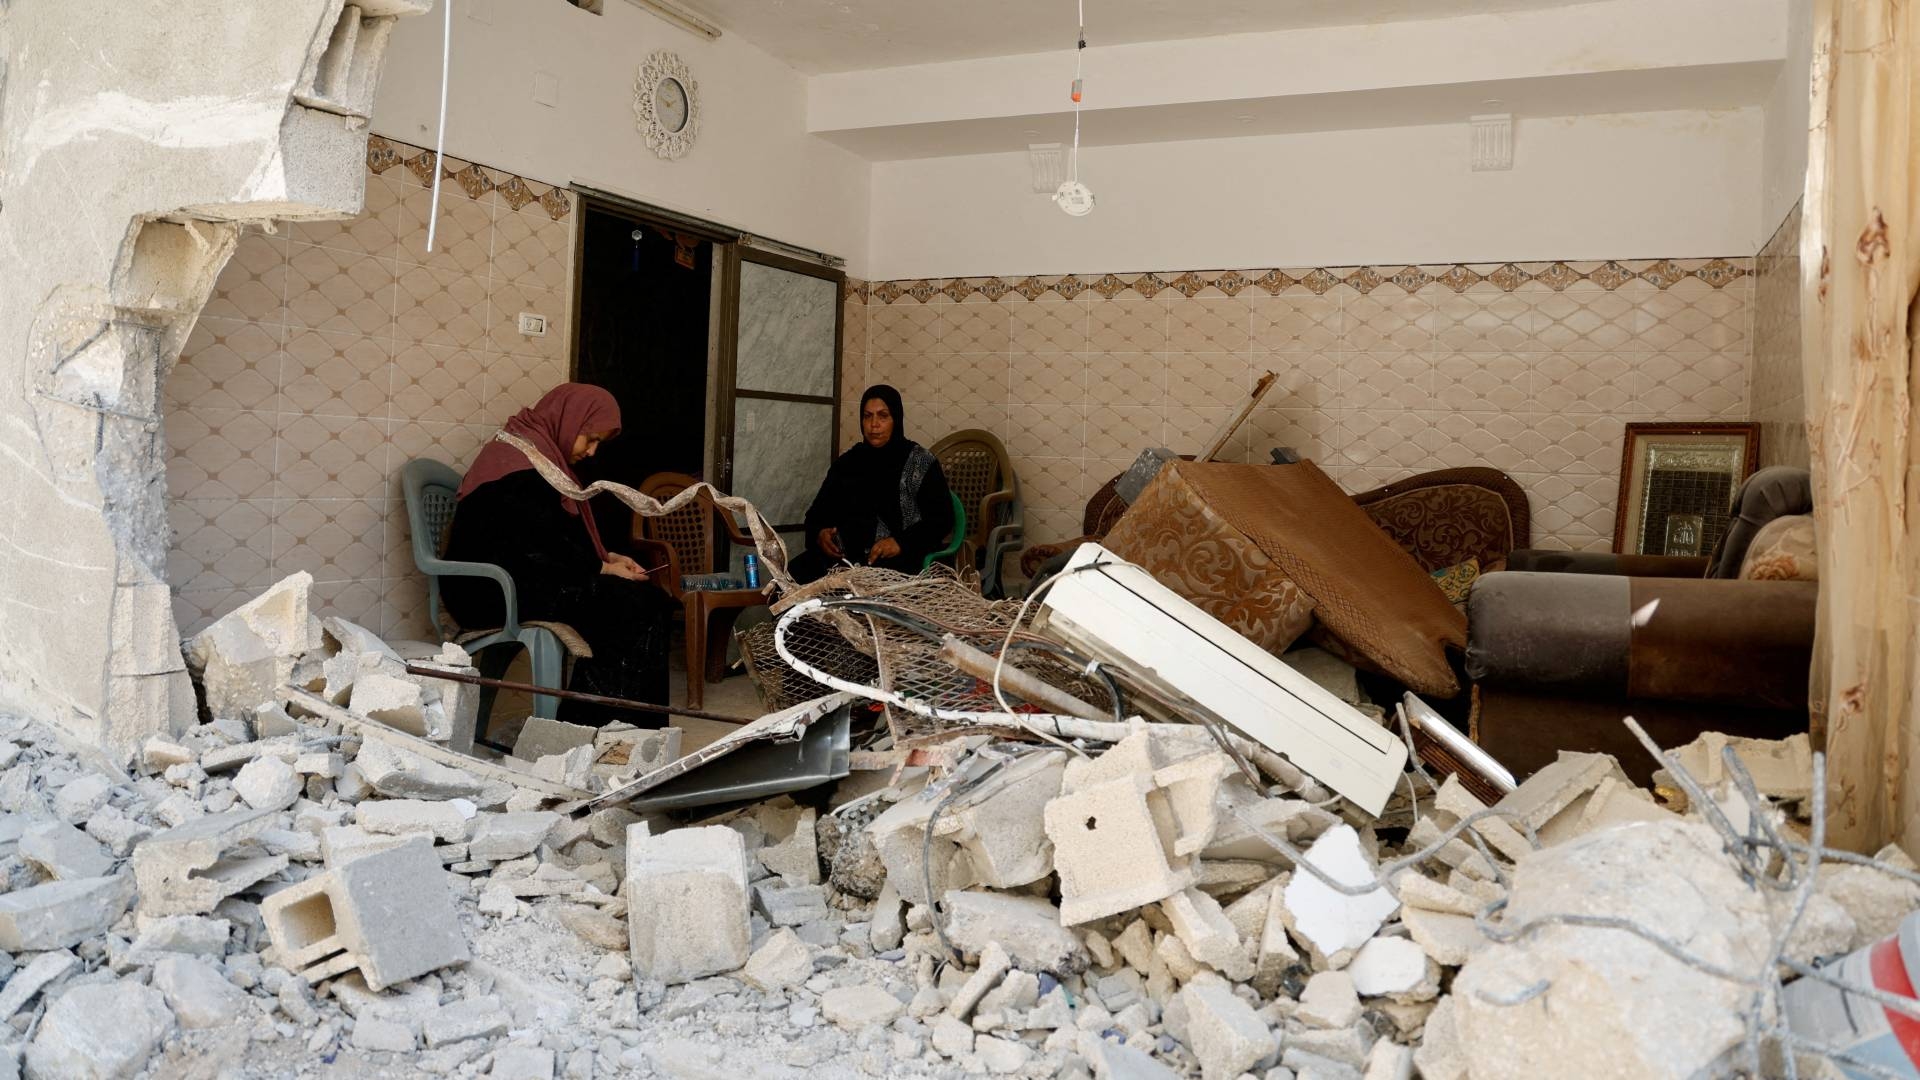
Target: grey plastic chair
[431, 488]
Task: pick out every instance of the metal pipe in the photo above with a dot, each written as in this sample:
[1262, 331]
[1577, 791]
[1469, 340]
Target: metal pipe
[574, 695]
[1015, 681]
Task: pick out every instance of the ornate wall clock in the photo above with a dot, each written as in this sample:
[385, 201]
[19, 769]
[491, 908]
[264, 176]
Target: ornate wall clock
[666, 104]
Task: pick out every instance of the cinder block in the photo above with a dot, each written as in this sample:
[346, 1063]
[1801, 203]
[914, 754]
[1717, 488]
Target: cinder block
[1110, 851]
[541, 737]
[689, 911]
[389, 913]
[185, 871]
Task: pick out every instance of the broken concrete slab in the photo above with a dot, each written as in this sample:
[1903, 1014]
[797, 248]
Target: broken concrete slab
[790, 905]
[341, 844]
[500, 837]
[794, 854]
[60, 914]
[79, 799]
[1448, 939]
[541, 737]
[186, 871]
[994, 965]
[1210, 937]
[1877, 902]
[1110, 851]
[192, 935]
[401, 774]
[63, 852]
[1387, 965]
[1331, 921]
[39, 973]
[474, 1018]
[267, 783]
[856, 1007]
[1329, 1001]
[1546, 793]
[1222, 1030]
[198, 992]
[1026, 927]
[781, 962]
[692, 885]
[1616, 1004]
[1614, 802]
[1780, 768]
[103, 1031]
[450, 821]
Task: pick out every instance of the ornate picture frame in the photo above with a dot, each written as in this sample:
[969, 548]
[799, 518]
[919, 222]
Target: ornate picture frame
[659, 68]
[1677, 483]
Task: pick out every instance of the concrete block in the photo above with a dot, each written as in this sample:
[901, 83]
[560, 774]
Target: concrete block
[1027, 927]
[388, 913]
[1449, 939]
[1329, 1001]
[326, 766]
[459, 703]
[341, 844]
[198, 992]
[62, 913]
[1116, 1061]
[281, 617]
[112, 827]
[951, 1038]
[159, 752]
[1210, 937]
[1547, 792]
[1331, 921]
[1190, 790]
[186, 871]
[1222, 1030]
[790, 905]
[794, 852]
[637, 751]
[1000, 825]
[691, 887]
[81, 798]
[271, 721]
[39, 973]
[190, 935]
[1453, 798]
[781, 962]
[350, 637]
[1002, 1057]
[1017, 993]
[474, 1018]
[102, 1031]
[394, 700]
[509, 836]
[401, 774]
[1111, 853]
[541, 737]
[573, 768]
[1419, 891]
[1780, 768]
[1614, 802]
[63, 852]
[994, 965]
[1440, 1055]
[856, 1007]
[267, 783]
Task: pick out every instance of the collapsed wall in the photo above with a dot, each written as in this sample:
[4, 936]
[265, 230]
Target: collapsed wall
[135, 141]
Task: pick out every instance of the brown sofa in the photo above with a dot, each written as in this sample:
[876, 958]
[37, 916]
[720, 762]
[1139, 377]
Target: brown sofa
[1564, 645]
[1441, 518]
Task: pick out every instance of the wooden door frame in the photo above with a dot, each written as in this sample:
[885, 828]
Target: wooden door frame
[729, 347]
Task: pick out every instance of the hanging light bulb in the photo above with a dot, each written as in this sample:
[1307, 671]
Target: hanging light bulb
[1072, 196]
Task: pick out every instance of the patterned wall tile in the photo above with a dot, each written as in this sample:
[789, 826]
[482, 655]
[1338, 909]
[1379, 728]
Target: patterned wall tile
[977, 379]
[253, 284]
[331, 457]
[1388, 380]
[433, 382]
[1486, 318]
[1054, 482]
[1314, 433]
[220, 454]
[1587, 320]
[1127, 326]
[1044, 328]
[340, 291]
[1208, 379]
[1126, 379]
[1303, 380]
[1297, 323]
[1122, 431]
[1386, 438]
[337, 374]
[1204, 325]
[355, 601]
[463, 233]
[374, 232]
[403, 609]
[511, 383]
[1387, 321]
[332, 539]
[1696, 386]
[505, 302]
[533, 250]
[1482, 382]
[969, 328]
[1047, 430]
[220, 544]
[1585, 383]
[1048, 377]
[1491, 439]
[1192, 429]
[441, 307]
[236, 365]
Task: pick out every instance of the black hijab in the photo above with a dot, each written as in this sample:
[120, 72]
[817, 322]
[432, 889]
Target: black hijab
[872, 490]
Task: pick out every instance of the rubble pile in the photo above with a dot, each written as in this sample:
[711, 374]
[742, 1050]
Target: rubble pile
[321, 874]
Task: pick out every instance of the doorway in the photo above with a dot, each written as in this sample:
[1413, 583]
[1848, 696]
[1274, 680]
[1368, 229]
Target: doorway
[643, 316]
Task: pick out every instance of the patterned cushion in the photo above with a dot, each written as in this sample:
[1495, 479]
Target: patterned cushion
[1172, 533]
[1783, 550]
[1457, 580]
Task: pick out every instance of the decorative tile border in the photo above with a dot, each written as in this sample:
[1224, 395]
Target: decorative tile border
[1507, 277]
[477, 181]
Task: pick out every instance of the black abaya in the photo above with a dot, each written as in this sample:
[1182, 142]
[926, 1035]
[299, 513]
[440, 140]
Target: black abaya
[518, 522]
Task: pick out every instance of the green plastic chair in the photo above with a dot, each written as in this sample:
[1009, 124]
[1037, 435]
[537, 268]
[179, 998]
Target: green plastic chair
[431, 488]
[959, 535]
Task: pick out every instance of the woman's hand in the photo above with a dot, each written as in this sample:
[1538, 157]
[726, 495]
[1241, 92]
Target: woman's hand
[830, 543]
[622, 566]
[884, 548]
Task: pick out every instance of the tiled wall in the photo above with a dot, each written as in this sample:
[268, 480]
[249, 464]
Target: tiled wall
[1778, 396]
[330, 355]
[1384, 371]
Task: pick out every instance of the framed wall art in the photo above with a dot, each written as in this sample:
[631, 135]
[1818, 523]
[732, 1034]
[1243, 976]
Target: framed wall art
[1677, 483]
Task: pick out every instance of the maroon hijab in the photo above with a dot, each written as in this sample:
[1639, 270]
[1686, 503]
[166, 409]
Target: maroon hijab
[569, 411]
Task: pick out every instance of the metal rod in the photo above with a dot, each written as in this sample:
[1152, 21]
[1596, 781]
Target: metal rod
[574, 695]
[1017, 682]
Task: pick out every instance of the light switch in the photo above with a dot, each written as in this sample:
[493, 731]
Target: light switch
[533, 325]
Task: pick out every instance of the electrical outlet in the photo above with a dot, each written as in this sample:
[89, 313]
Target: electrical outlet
[533, 325]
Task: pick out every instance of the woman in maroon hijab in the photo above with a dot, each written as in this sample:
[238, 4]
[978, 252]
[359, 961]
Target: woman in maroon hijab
[510, 516]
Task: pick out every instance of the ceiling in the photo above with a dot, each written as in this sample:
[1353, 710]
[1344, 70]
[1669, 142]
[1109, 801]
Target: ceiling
[817, 36]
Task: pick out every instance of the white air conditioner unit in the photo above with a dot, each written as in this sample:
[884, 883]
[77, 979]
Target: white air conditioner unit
[1115, 611]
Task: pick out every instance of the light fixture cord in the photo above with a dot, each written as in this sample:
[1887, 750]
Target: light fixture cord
[1078, 53]
[440, 140]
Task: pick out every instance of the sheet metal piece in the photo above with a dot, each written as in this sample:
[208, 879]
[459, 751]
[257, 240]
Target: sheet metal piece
[793, 749]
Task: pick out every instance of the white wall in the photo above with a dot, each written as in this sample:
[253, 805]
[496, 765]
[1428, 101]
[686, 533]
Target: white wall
[754, 165]
[1675, 184]
[1783, 170]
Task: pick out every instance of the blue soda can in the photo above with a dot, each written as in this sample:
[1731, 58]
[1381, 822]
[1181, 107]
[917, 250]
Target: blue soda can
[753, 571]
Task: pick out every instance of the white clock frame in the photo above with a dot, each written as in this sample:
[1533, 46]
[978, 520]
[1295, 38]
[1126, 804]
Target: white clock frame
[661, 65]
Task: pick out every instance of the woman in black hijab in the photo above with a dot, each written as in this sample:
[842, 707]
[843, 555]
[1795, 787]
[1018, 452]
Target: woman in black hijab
[884, 502]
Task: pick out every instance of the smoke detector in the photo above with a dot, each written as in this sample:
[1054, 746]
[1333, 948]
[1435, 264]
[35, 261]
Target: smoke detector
[1075, 198]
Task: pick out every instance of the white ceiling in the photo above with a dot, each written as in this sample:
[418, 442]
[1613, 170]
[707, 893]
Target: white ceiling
[851, 35]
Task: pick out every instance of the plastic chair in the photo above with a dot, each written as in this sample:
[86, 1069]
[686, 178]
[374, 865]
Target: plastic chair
[959, 539]
[431, 487]
[979, 470]
[687, 540]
